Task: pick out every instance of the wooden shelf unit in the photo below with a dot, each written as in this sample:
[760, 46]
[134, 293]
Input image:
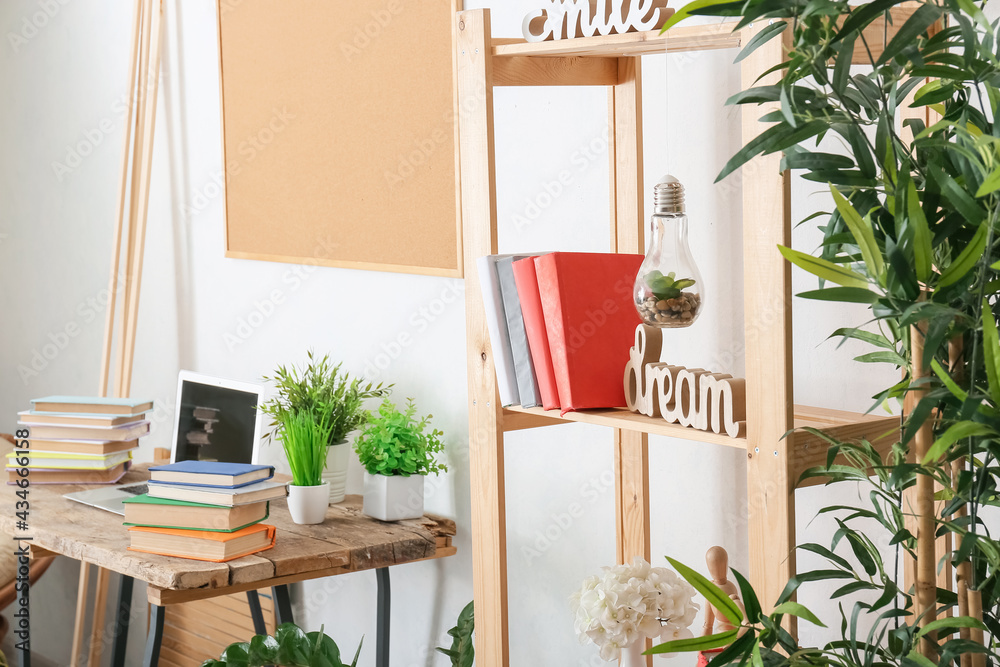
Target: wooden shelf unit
[775, 461]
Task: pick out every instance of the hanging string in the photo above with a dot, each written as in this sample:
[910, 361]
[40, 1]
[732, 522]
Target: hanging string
[666, 105]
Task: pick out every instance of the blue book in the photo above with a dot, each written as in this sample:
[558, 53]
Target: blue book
[210, 473]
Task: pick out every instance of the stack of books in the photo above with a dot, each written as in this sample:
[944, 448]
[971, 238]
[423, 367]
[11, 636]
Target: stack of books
[79, 439]
[561, 325]
[204, 510]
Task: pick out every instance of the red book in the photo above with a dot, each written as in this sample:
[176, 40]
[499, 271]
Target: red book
[590, 319]
[534, 326]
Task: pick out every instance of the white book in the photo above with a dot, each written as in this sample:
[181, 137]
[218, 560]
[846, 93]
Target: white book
[496, 322]
[217, 495]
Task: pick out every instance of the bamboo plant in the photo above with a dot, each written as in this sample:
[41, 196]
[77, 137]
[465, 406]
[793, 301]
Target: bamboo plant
[912, 234]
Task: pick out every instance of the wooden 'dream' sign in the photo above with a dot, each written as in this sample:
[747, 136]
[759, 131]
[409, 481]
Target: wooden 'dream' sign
[695, 398]
[566, 19]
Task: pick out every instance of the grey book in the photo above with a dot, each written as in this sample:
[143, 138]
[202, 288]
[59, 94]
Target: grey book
[524, 370]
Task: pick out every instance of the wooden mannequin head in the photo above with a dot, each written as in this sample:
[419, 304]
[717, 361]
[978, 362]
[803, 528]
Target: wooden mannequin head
[718, 563]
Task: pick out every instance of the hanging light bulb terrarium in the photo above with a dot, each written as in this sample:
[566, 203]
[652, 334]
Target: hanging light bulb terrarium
[668, 288]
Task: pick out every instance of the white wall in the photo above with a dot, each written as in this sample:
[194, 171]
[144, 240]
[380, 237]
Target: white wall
[55, 237]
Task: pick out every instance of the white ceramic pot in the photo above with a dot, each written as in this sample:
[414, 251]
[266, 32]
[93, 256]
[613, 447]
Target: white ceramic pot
[307, 504]
[394, 497]
[335, 473]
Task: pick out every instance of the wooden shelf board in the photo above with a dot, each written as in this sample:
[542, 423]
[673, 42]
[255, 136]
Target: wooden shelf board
[707, 37]
[682, 38]
[810, 449]
[517, 418]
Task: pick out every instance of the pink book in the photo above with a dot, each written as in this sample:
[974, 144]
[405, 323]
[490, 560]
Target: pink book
[534, 326]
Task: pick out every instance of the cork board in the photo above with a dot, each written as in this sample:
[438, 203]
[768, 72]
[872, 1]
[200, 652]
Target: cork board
[339, 133]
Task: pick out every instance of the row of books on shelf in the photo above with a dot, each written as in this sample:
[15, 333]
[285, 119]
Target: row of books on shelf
[561, 325]
[204, 510]
[79, 439]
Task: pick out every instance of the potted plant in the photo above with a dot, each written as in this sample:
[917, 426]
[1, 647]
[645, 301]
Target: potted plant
[397, 451]
[323, 391]
[289, 647]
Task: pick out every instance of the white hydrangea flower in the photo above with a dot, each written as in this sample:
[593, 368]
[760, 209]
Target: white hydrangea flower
[628, 603]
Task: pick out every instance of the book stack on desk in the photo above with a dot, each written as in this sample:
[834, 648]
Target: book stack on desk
[78, 439]
[205, 510]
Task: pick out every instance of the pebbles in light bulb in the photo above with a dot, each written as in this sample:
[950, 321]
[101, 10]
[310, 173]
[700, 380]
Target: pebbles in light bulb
[677, 312]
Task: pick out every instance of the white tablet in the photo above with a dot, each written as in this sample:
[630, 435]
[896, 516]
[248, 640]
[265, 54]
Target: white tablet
[216, 419]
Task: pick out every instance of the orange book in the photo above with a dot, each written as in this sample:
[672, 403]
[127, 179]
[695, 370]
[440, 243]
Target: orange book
[590, 319]
[202, 544]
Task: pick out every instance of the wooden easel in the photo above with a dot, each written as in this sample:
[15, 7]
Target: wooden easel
[136, 160]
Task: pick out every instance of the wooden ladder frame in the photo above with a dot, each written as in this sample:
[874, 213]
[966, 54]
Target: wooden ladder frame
[774, 460]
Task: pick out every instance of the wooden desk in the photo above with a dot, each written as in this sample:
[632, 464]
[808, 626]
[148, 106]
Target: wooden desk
[346, 542]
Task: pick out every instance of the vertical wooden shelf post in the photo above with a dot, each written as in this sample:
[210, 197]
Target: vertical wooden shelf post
[479, 223]
[767, 295]
[631, 447]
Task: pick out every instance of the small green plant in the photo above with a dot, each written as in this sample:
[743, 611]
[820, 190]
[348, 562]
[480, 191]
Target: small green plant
[321, 390]
[396, 443]
[304, 441]
[289, 647]
[463, 650]
[666, 287]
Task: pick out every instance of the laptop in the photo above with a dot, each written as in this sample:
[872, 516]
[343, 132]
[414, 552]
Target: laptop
[215, 420]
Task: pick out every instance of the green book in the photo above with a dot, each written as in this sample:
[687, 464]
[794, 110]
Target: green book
[145, 510]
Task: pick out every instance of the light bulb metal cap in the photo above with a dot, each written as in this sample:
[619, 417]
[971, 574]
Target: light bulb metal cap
[668, 197]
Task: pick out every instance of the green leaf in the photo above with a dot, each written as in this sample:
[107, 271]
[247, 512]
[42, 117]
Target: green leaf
[949, 624]
[865, 336]
[920, 659]
[815, 161]
[923, 253]
[775, 138]
[990, 184]
[882, 357]
[694, 643]
[713, 594]
[955, 432]
[749, 596]
[863, 234]
[943, 375]
[761, 38]
[861, 16]
[916, 25]
[966, 259]
[842, 294]
[991, 351]
[824, 269]
[842, 68]
[815, 575]
[689, 9]
[796, 609]
[958, 196]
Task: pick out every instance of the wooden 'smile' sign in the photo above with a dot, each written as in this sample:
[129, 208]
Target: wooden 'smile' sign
[566, 19]
[695, 398]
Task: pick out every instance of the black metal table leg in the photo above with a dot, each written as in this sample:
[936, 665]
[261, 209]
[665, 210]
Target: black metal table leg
[151, 658]
[122, 621]
[382, 627]
[282, 604]
[256, 613]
